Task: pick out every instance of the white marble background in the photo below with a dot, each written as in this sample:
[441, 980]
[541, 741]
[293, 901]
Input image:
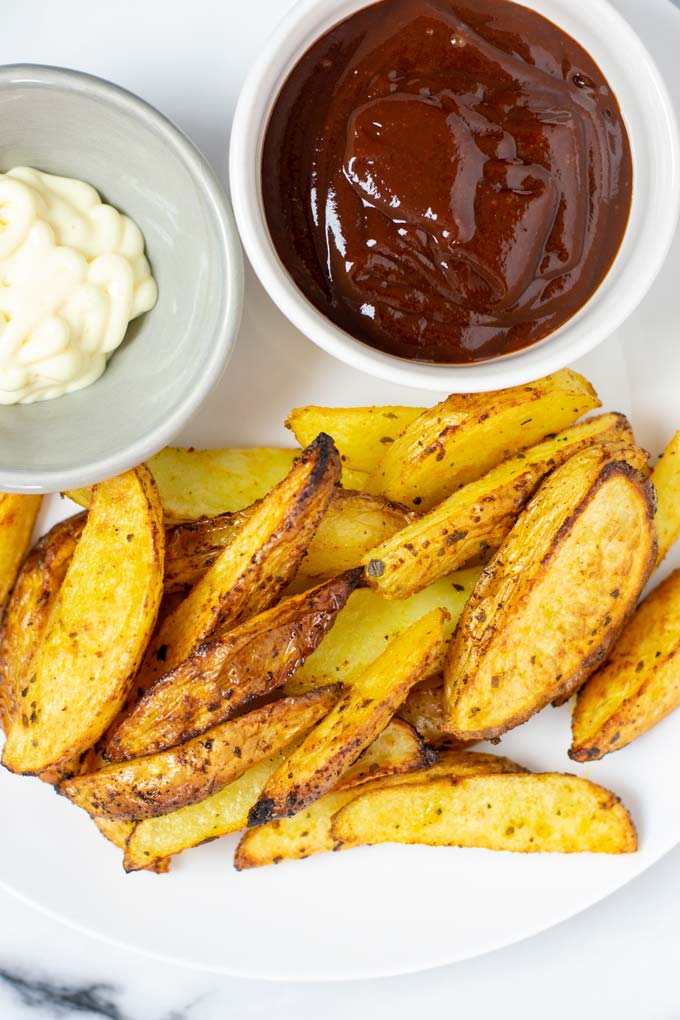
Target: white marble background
[618, 959]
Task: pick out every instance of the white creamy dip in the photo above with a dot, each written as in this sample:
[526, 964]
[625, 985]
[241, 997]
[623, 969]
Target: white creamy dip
[72, 275]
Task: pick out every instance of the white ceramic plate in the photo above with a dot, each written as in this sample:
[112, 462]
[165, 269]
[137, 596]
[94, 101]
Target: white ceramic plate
[370, 912]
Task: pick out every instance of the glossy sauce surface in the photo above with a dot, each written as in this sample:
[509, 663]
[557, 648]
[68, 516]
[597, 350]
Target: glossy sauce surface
[447, 181]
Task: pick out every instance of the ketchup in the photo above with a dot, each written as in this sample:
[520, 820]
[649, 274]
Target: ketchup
[447, 181]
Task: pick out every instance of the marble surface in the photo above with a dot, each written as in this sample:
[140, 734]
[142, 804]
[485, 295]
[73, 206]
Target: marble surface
[621, 954]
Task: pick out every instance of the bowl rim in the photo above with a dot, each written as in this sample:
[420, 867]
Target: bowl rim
[205, 179]
[572, 340]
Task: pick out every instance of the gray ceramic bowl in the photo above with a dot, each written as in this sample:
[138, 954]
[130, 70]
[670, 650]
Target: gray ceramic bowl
[76, 125]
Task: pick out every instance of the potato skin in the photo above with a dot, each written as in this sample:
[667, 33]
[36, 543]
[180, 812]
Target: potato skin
[225, 673]
[75, 690]
[639, 685]
[551, 603]
[425, 710]
[529, 813]
[159, 783]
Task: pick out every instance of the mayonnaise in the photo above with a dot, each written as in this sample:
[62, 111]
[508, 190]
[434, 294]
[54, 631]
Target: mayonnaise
[72, 276]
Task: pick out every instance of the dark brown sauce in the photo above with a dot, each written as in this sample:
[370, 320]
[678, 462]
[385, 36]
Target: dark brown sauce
[447, 181]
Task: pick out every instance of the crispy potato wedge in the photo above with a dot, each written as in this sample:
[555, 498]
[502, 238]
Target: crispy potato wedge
[17, 517]
[160, 783]
[309, 832]
[666, 481]
[368, 623]
[465, 436]
[480, 515]
[547, 813]
[352, 524]
[118, 833]
[549, 606]
[425, 710]
[360, 714]
[397, 749]
[203, 483]
[255, 567]
[227, 672]
[639, 685]
[98, 629]
[361, 434]
[156, 839]
[29, 609]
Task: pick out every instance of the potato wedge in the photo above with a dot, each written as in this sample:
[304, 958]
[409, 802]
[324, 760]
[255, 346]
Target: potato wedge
[203, 483]
[549, 606]
[640, 683]
[368, 623]
[253, 570]
[361, 434]
[480, 515]
[227, 672]
[118, 833]
[101, 622]
[29, 609]
[352, 524]
[160, 783]
[361, 713]
[425, 710]
[397, 749]
[666, 481]
[17, 517]
[156, 839]
[547, 813]
[309, 832]
[465, 436]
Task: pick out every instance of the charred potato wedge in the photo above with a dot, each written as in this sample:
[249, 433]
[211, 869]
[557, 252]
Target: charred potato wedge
[204, 483]
[29, 609]
[160, 783]
[309, 832]
[548, 813]
[639, 685]
[109, 600]
[361, 434]
[228, 671]
[549, 606]
[467, 435]
[360, 714]
[479, 516]
[666, 481]
[368, 623]
[352, 524]
[17, 517]
[252, 571]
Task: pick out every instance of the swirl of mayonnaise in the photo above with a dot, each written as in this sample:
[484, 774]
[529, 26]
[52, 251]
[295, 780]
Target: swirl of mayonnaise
[72, 275]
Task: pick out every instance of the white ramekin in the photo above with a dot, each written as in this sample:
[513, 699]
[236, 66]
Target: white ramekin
[649, 118]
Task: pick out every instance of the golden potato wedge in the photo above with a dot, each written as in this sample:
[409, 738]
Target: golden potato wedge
[462, 438]
[480, 515]
[352, 524]
[425, 710]
[17, 517]
[546, 813]
[549, 606]
[666, 481]
[640, 683]
[397, 749]
[203, 483]
[360, 714]
[361, 434]
[309, 832]
[160, 783]
[228, 671]
[368, 623]
[118, 833]
[156, 839]
[253, 569]
[29, 608]
[101, 622]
